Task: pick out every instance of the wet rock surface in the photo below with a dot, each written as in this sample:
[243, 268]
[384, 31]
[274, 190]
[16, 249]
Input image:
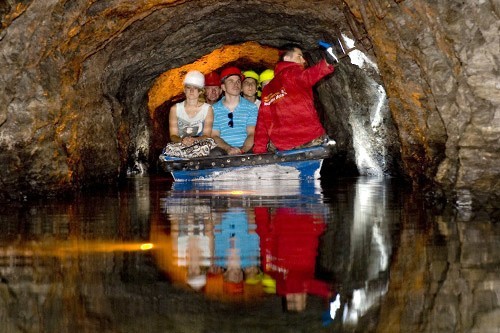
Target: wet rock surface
[431, 57]
[75, 79]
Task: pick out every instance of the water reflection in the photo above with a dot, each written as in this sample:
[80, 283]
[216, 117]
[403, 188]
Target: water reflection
[154, 257]
[289, 247]
[365, 277]
[247, 241]
[231, 240]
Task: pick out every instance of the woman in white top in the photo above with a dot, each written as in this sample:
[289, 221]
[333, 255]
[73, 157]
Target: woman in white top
[192, 119]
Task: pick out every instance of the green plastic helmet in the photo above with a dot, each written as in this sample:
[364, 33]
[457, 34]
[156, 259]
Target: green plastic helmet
[251, 74]
[266, 75]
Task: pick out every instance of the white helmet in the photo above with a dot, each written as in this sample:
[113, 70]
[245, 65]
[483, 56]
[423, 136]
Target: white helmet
[195, 78]
[197, 282]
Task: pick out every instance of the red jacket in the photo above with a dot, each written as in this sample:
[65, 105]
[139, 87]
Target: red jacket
[287, 116]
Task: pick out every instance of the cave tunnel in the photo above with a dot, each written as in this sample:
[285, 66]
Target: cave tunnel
[87, 84]
[167, 90]
[156, 88]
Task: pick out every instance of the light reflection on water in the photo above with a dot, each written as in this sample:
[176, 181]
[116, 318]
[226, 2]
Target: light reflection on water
[157, 257]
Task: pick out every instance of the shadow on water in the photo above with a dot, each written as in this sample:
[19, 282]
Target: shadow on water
[352, 255]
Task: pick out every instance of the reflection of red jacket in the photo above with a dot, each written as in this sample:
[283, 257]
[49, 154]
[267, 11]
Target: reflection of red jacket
[289, 243]
[287, 116]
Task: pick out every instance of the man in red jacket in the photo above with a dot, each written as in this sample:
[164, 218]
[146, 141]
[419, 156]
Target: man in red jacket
[287, 117]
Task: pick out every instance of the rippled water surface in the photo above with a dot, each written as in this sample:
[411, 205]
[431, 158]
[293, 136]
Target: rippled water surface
[351, 255]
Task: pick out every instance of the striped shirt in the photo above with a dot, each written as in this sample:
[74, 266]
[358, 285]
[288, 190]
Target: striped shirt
[245, 114]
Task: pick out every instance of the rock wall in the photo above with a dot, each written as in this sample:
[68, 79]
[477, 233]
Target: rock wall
[75, 79]
[439, 62]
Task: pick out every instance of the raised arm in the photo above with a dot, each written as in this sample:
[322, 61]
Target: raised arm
[310, 76]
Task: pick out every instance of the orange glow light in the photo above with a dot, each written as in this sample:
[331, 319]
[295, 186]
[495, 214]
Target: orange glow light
[146, 246]
[169, 84]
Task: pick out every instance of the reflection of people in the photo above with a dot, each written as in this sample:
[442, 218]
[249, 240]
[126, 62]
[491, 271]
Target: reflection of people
[212, 88]
[234, 116]
[289, 243]
[195, 256]
[236, 248]
[191, 245]
[287, 116]
[185, 252]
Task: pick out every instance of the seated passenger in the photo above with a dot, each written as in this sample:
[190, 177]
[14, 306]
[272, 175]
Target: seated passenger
[212, 88]
[249, 87]
[234, 116]
[265, 77]
[190, 121]
[287, 116]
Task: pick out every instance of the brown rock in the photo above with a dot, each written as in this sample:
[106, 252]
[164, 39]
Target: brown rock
[75, 109]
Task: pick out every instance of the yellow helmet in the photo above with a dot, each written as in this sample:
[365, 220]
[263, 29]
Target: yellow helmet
[251, 74]
[266, 75]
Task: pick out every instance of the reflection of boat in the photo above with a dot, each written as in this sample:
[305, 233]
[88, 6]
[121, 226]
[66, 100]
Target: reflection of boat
[272, 189]
[300, 164]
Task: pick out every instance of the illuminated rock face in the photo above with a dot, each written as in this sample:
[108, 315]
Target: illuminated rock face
[439, 62]
[77, 78]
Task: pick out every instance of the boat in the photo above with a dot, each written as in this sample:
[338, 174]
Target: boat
[303, 164]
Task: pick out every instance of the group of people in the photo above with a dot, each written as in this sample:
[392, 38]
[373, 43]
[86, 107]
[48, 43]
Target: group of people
[224, 111]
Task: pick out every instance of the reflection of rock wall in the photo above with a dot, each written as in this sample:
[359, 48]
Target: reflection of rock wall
[357, 248]
[446, 280]
[46, 289]
[444, 267]
[62, 264]
[464, 275]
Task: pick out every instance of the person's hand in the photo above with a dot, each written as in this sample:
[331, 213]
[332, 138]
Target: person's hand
[329, 54]
[330, 58]
[188, 141]
[234, 151]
